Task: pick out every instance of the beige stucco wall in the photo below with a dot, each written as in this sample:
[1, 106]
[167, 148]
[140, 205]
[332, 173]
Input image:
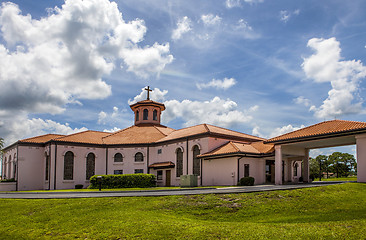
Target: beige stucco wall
[80, 154]
[221, 171]
[128, 165]
[257, 169]
[30, 170]
[361, 157]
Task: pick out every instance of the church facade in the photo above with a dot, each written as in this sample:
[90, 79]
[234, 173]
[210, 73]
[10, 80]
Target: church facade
[217, 156]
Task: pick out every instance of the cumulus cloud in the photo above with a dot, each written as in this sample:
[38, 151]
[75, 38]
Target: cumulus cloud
[302, 101]
[221, 112]
[243, 28]
[237, 3]
[21, 127]
[116, 117]
[224, 84]
[61, 58]
[183, 26]
[286, 15]
[156, 95]
[344, 76]
[285, 129]
[210, 19]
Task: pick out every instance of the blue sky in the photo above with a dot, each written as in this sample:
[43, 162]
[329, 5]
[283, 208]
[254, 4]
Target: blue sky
[257, 66]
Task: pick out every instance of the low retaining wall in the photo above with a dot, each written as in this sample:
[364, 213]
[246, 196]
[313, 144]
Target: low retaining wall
[8, 186]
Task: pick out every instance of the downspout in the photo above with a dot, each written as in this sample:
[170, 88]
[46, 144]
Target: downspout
[187, 156]
[201, 171]
[17, 168]
[106, 161]
[49, 167]
[147, 159]
[54, 184]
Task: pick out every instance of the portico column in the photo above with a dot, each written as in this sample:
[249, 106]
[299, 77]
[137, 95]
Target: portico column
[286, 172]
[361, 157]
[306, 166]
[278, 165]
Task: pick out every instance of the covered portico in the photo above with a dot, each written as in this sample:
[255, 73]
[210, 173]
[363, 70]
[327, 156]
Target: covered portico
[297, 144]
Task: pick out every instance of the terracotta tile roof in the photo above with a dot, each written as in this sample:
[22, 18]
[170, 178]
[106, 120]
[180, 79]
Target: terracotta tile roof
[320, 129]
[162, 165]
[256, 148]
[41, 139]
[206, 128]
[142, 133]
[148, 103]
[91, 137]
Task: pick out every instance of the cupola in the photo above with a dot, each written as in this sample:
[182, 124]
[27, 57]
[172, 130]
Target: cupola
[147, 111]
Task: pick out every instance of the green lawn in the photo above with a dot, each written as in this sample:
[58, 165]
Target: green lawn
[327, 212]
[338, 179]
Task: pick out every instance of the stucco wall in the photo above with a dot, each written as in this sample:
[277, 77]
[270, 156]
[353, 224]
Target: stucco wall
[257, 169]
[221, 171]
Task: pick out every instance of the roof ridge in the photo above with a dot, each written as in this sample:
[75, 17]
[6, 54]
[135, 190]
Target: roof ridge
[236, 148]
[72, 134]
[159, 130]
[210, 125]
[121, 130]
[205, 125]
[59, 135]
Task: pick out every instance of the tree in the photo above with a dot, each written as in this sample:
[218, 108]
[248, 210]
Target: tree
[342, 163]
[1, 143]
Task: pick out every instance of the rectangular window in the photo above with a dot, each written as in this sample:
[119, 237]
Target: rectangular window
[246, 170]
[159, 175]
[139, 171]
[159, 151]
[118, 172]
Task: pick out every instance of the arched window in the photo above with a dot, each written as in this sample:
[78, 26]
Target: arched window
[196, 161]
[90, 166]
[146, 114]
[4, 167]
[15, 166]
[69, 166]
[118, 157]
[179, 170]
[137, 115]
[139, 157]
[155, 115]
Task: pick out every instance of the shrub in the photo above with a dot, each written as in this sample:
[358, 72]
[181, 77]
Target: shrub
[246, 181]
[79, 186]
[301, 179]
[139, 180]
[8, 180]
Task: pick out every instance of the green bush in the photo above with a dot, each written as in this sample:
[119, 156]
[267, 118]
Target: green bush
[139, 180]
[79, 186]
[246, 181]
[8, 180]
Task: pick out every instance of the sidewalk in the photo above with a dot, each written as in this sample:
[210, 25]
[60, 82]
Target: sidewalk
[168, 192]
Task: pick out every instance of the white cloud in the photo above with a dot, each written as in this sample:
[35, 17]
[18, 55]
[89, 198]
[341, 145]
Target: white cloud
[101, 116]
[221, 112]
[302, 101]
[20, 127]
[115, 117]
[243, 28]
[286, 15]
[63, 57]
[224, 84]
[237, 3]
[210, 19]
[183, 26]
[156, 95]
[285, 129]
[344, 76]
[115, 129]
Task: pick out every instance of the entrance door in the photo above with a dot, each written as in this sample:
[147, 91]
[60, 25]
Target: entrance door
[167, 178]
[270, 171]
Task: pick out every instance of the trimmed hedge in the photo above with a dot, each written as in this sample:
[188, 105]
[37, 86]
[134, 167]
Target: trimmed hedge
[8, 180]
[246, 181]
[139, 180]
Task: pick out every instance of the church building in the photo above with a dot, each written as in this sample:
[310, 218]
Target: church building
[215, 155]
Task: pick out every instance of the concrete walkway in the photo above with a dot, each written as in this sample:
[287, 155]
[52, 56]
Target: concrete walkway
[168, 192]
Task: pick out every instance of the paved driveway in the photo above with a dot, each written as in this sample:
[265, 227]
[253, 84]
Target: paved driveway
[146, 193]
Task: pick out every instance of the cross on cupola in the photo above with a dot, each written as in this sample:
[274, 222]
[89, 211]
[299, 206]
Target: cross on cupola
[148, 92]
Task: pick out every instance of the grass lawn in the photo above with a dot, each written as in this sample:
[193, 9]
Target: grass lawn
[338, 179]
[327, 212]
